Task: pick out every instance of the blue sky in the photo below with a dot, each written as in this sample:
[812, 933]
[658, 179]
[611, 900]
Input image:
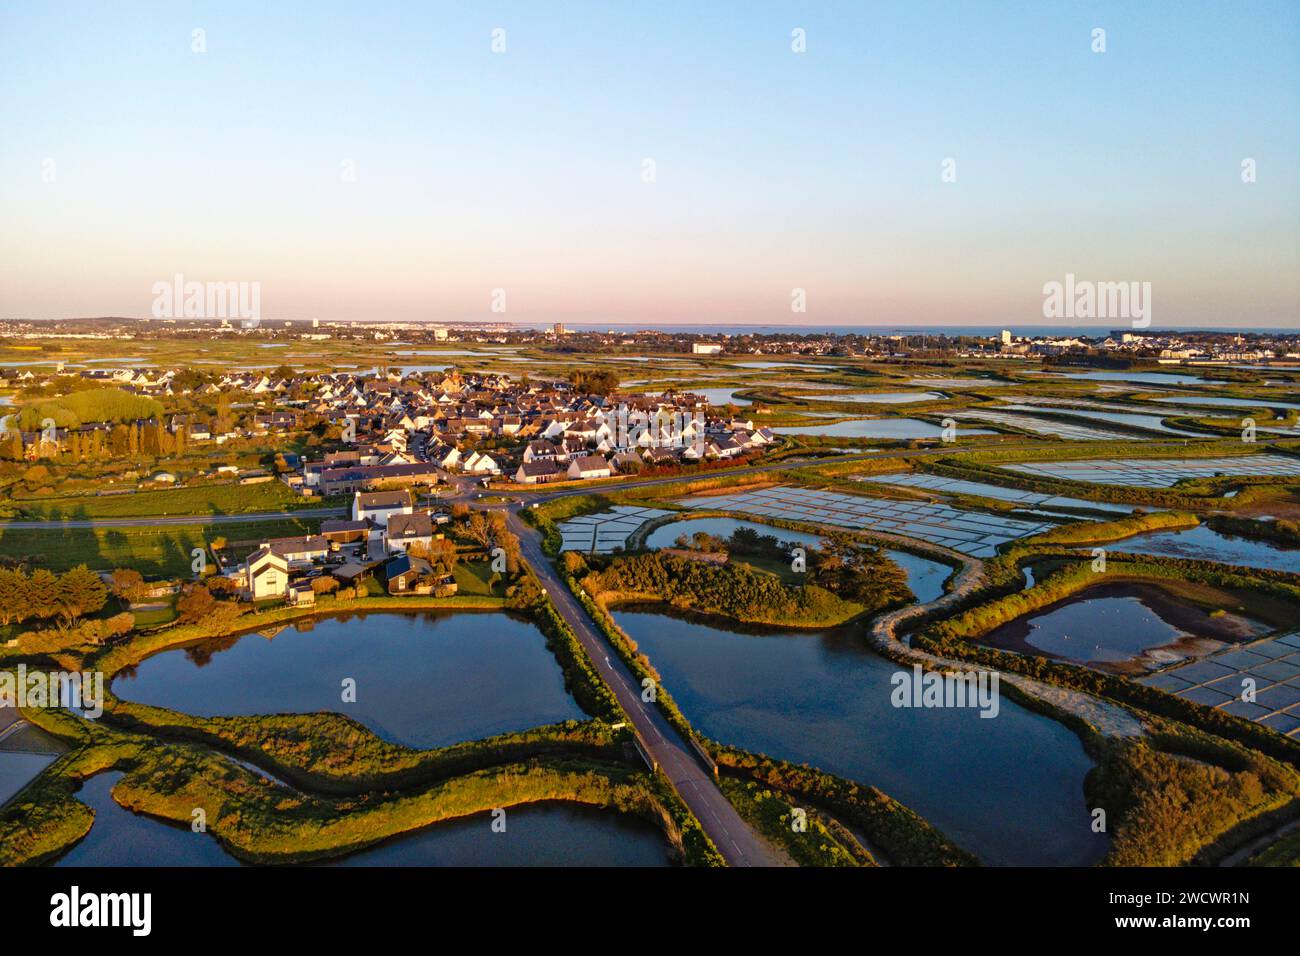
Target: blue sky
[522, 170]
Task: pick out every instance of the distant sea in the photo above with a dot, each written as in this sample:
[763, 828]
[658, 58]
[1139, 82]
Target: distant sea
[1030, 331]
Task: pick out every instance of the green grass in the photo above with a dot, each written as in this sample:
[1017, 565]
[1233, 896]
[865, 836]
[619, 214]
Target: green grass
[152, 617]
[155, 552]
[770, 813]
[1285, 852]
[473, 579]
[203, 500]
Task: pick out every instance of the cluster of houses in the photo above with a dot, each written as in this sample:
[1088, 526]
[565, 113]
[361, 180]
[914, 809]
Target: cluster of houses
[376, 539]
[406, 430]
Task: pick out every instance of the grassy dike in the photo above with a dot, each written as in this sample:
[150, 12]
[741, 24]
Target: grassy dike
[259, 821]
[955, 636]
[901, 834]
[352, 789]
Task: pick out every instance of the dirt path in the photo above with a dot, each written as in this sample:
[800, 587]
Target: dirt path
[1108, 719]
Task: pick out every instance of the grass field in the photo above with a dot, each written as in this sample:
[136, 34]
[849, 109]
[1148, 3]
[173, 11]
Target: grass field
[154, 552]
[472, 579]
[208, 500]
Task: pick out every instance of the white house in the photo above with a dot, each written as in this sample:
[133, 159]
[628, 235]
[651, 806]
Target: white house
[477, 464]
[589, 466]
[379, 506]
[405, 530]
[267, 575]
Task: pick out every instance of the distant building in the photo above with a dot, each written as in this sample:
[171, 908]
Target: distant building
[1006, 336]
[706, 348]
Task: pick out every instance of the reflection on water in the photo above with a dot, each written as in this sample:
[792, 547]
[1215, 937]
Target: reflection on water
[552, 834]
[1010, 788]
[540, 835]
[1100, 629]
[424, 680]
[875, 428]
[1205, 544]
[122, 838]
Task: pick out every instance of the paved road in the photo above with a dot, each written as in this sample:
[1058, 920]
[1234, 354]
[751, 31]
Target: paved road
[150, 521]
[729, 833]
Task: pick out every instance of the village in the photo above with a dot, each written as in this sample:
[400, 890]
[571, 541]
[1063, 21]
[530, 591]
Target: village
[398, 438]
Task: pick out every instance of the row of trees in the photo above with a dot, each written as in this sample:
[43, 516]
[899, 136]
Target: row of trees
[149, 439]
[42, 595]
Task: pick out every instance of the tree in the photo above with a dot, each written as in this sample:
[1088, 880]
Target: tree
[127, 584]
[442, 555]
[42, 594]
[478, 529]
[77, 593]
[194, 604]
[594, 381]
[15, 596]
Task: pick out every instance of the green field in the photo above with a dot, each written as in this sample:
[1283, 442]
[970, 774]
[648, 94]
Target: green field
[154, 552]
[473, 577]
[205, 500]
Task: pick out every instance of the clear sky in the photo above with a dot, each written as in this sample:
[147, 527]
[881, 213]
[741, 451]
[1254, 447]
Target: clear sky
[774, 170]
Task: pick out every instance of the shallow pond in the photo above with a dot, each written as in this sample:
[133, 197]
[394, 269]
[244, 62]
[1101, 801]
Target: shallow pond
[1009, 788]
[18, 769]
[1149, 378]
[725, 395]
[1205, 544]
[816, 368]
[1214, 400]
[425, 680]
[550, 834]
[1122, 626]
[901, 428]
[122, 838]
[1153, 423]
[879, 398]
[1101, 629]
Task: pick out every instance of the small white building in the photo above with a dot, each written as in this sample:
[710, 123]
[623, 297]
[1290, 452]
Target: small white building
[477, 464]
[267, 575]
[379, 506]
[589, 466]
